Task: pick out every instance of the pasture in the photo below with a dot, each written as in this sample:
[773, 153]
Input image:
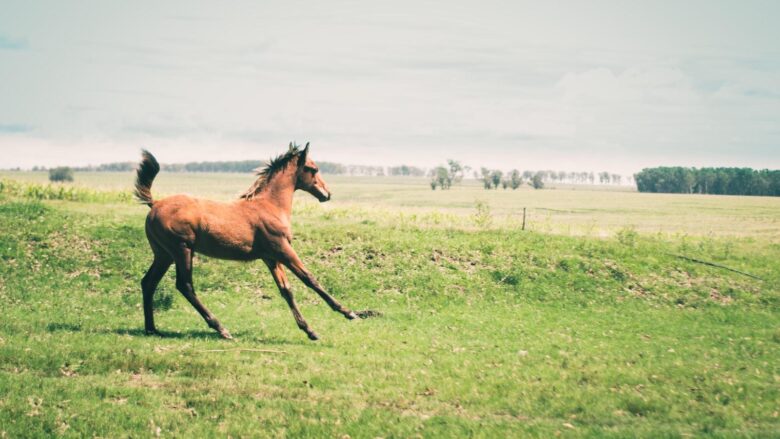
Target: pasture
[586, 324]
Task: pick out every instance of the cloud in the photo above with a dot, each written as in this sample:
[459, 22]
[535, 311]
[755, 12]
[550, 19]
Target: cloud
[10, 43]
[397, 83]
[14, 128]
[635, 84]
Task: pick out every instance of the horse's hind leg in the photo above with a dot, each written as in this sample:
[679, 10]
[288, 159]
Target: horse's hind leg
[149, 284]
[183, 259]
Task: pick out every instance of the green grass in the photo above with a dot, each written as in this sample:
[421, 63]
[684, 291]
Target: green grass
[487, 332]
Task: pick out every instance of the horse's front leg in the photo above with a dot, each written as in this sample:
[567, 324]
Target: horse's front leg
[284, 288]
[293, 262]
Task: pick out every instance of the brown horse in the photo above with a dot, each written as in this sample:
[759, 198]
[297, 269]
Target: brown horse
[256, 226]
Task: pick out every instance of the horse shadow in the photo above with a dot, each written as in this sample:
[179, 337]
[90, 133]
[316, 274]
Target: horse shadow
[242, 336]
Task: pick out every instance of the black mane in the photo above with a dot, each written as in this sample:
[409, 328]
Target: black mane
[266, 172]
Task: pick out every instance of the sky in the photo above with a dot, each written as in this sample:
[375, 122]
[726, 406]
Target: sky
[580, 85]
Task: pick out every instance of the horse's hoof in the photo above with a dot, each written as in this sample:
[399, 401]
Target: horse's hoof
[313, 336]
[225, 334]
[366, 314]
[351, 315]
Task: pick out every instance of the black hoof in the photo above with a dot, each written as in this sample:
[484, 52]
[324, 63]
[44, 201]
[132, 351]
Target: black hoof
[225, 334]
[313, 336]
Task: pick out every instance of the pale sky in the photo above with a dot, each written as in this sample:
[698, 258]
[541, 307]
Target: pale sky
[580, 85]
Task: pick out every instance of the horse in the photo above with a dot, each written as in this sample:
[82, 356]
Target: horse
[255, 226]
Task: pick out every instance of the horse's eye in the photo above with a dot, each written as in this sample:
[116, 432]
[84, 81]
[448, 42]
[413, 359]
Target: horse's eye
[312, 170]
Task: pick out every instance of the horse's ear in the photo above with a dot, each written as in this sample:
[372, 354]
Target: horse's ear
[302, 155]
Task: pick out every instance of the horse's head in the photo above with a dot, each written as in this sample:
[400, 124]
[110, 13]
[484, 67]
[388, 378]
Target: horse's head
[308, 177]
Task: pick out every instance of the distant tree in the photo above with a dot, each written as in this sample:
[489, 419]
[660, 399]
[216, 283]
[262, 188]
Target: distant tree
[112, 167]
[441, 176]
[504, 184]
[515, 180]
[688, 179]
[537, 181]
[495, 177]
[370, 171]
[705, 180]
[405, 170]
[62, 173]
[456, 171]
[726, 181]
[487, 179]
[446, 176]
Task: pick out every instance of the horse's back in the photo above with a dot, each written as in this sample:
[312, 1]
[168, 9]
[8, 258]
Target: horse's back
[210, 227]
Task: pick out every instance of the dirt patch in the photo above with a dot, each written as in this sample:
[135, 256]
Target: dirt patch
[716, 296]
[462, 262]
[144, 381]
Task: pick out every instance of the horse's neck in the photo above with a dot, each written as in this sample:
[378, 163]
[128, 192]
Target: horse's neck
[280, 191]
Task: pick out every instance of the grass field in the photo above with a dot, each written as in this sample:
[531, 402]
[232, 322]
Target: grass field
[597, 211]
[584, 325]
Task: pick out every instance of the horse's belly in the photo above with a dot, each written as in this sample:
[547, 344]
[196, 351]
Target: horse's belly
[224, 248]
[225, 253]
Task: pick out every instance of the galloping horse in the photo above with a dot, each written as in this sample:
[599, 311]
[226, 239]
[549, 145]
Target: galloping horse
[256, 226]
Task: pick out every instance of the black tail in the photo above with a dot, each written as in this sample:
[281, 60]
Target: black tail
[147, 170]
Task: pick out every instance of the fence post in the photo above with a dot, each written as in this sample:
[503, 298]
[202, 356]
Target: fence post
[524, 218]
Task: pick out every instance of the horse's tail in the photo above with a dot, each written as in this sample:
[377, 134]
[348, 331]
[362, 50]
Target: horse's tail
[147, 170]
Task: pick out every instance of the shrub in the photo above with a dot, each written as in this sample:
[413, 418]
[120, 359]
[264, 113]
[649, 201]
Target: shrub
[59, 192]
[482, 217]
[627, 236]
[62, 173]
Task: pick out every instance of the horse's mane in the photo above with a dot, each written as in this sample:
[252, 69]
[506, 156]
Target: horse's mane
[267, 171]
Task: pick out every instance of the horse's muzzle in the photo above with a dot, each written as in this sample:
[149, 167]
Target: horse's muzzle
[323, 195]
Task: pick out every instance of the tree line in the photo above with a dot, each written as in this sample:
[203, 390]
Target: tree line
[444, 176]
[453, 172]
[246, 166]
[674, 179]
[720, 181]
